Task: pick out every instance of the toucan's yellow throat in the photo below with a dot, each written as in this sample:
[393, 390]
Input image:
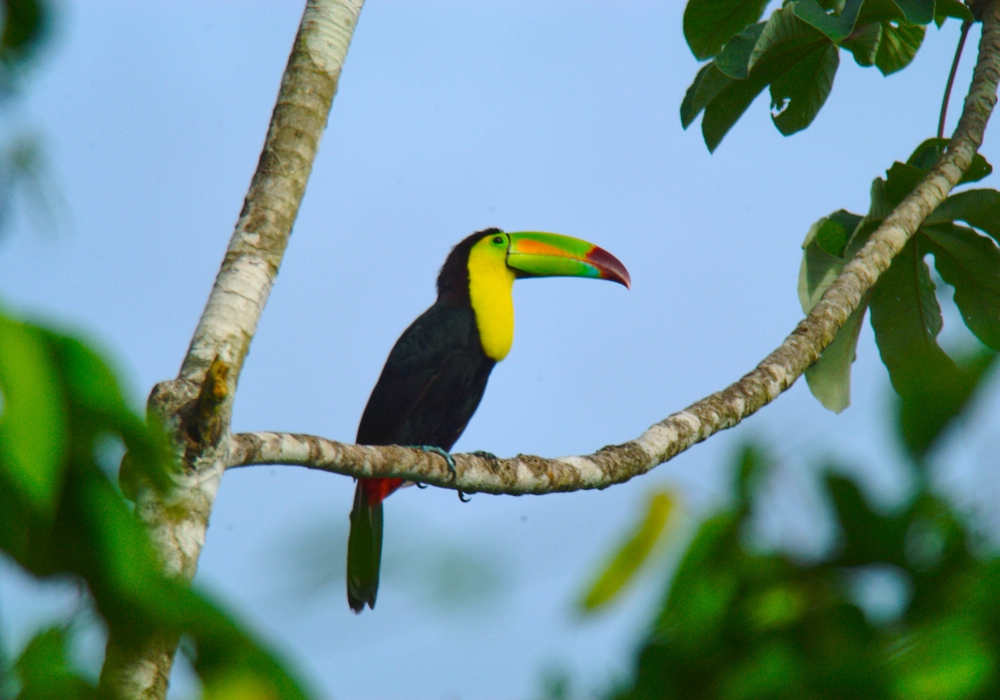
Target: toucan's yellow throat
[490, 285]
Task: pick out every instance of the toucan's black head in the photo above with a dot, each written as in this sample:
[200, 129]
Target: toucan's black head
[453, 280]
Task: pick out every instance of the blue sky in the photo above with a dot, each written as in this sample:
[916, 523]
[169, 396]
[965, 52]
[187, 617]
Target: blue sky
[452, 117]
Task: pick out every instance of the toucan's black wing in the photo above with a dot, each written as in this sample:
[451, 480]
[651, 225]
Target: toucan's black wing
[431, 384]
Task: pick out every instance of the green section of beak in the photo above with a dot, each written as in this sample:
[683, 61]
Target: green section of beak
[537, 254]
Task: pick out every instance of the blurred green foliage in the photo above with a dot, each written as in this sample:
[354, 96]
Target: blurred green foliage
[24, 170]
[45, 672]
[632, 553]
[742, 624]
[26, 25]
[61, 515]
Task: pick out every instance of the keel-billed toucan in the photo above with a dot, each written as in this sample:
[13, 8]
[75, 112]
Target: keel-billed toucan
[437, 371]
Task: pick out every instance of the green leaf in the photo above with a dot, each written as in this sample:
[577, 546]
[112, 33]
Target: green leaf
[868, 536]
[864, 44]
[898, 47]
[734, 60]
[784, 42]
[817, 271]
[943, 9]
[786, 37]
[979, 208]
[917, 11]
[90, 382]
[96, 399]
[829, 378]
[836, 231]
[862, 233]
[799, 94]
[704, 586]
[632, 554]
[880, 207]
[803, 63]
[752, 466]
[727, 107]
[823, 255]
[33, 421]
[979, 169]
[831, 241]
[45, 672]
[25, 24]
[709, 24]
[971, 264]
[907, 319]
[238, 685]
[949, 662]
[943, 392]
[836, 27]
[707, 84]
[930, 150]
[927, 153]
[776, 608]
[880, 11]
[900, 181]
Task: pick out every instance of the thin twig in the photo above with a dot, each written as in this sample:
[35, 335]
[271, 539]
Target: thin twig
[966, 25]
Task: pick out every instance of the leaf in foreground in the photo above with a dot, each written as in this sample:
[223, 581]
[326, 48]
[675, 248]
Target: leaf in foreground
[32, 417]
[632, 554]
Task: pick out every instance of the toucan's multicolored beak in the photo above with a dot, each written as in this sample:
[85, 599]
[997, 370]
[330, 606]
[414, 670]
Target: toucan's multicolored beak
[537, 254]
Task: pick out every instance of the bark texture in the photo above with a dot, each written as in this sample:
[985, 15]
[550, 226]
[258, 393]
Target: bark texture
[526, 474]
[196, 407]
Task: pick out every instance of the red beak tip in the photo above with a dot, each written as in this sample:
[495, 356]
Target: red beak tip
[611, 267]
[621, 278]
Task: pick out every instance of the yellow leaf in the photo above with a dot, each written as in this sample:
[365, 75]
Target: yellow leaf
[632, 553]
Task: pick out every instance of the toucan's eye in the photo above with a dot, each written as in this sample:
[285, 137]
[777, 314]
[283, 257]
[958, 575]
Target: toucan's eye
[498, 239]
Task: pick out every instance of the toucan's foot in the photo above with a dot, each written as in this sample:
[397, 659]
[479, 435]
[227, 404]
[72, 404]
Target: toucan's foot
[463, 498]
[443, 453]
[419, 485]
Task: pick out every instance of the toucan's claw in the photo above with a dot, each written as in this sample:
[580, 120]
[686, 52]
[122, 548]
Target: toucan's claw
[419, 485]
[445, 454]
[463, 498]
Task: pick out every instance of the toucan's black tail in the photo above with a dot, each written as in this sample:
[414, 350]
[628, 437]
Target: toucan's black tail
[364, 551]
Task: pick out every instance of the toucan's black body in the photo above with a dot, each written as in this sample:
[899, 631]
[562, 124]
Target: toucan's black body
[429, 388]
[436, 373]
[431, 384]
